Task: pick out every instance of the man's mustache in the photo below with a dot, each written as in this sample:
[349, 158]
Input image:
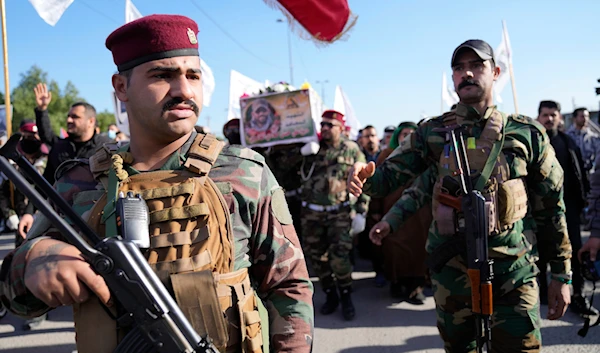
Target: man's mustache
[176, 101]
[467, 82]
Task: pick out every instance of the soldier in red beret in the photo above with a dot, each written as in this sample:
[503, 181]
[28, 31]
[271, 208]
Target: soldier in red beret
[222, 213]
[326, 212]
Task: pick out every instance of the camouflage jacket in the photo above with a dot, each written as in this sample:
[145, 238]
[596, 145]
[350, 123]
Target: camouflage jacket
[589, 144]
[527, 149]
[265, 242]
[594, 202]
[324, 174]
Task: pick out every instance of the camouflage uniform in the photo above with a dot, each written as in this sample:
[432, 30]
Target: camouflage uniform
[528, 154]
[589, 143]
[326, 214]
[265, 242]
[285, 161]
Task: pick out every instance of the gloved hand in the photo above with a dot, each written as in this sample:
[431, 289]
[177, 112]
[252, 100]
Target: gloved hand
[359, 222]
[310, 148]
[12, 222]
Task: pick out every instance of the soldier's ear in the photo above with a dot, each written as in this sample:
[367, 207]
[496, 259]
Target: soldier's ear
[496, 71]
[119, 83]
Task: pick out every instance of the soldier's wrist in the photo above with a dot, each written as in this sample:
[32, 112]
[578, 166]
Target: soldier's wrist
[565, 278]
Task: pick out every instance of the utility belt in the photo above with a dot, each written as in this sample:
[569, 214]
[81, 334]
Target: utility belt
[322, 208]
[292, 193]
[505, 204]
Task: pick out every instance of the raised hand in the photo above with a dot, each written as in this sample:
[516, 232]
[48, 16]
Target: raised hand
[43, 97]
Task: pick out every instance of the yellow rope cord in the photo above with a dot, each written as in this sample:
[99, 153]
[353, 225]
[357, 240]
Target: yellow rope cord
[118, 160]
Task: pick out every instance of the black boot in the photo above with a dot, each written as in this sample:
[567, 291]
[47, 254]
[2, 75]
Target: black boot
[332, 301]
[347, 306]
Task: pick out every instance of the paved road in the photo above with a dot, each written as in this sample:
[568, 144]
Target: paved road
[381, 326]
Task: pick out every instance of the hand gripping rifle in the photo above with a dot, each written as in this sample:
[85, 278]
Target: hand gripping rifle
[479, 266]
[158, 325]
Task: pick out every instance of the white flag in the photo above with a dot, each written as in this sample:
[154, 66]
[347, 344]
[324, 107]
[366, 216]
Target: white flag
[50, 10]
[131, 12]
[342, 104]
[208, 82]
[238, 86]
[449, 96]
[503, 60]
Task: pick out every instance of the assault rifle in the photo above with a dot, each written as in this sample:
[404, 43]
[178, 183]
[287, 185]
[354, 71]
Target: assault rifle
[157, 324]
[476, 230]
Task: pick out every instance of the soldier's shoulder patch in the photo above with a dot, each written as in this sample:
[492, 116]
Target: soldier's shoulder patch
[279, 207]
[237, 151]
[68, 165]
[521, 119]
[532, 124]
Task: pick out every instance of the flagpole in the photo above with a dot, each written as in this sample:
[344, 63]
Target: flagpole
[510, 70]
[6, 85]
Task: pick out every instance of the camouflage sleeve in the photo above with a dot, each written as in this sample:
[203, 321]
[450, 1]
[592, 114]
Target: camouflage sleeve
[413, 198]
[403, 165]
[13, 293]
[545, 183]
[280, 271]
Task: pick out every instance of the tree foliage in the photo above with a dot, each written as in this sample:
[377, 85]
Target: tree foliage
[23, 99]
[104, 119]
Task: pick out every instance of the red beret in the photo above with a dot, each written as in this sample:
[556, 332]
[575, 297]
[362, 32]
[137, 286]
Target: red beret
[151, 38]
[333, 115]
[29, 127]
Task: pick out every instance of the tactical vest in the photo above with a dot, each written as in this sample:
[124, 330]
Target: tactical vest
[506, 199]
[192, 252]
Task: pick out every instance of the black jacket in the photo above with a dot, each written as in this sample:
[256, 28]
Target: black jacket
[63, 149]
[578, 186]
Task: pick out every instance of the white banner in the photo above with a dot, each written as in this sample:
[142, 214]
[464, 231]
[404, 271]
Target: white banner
[342, 104]
[50, 10]
[238, 86]
[449, 95]
[208, 82]
[503, 60]
[131, 12]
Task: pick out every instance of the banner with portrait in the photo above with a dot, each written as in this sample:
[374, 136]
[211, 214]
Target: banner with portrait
[279, 118]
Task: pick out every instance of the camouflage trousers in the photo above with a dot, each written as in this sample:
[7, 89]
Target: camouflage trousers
[328, 243]
[515, 320]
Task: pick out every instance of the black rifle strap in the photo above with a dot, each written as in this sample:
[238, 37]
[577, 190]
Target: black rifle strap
[440, 256]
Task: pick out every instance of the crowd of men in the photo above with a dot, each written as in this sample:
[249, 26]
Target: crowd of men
[247, 219]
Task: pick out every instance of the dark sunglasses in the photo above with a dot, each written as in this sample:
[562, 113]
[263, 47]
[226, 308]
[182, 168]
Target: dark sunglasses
[329, 125]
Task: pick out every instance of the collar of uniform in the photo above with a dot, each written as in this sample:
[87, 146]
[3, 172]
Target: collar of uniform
[175, 161]
[467, 112]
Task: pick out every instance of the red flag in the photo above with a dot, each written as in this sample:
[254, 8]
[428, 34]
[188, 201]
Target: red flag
[63, 133]
[325, 20]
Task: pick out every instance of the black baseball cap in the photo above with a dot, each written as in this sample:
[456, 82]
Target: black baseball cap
[480, 47]
[389, 128]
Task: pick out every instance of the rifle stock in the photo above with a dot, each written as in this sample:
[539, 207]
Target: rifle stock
[158, 324]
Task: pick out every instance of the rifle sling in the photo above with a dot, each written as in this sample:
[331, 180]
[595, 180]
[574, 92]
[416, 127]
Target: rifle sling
[493, 157]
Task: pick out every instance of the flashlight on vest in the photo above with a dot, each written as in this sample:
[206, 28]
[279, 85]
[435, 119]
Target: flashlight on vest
[133, 219]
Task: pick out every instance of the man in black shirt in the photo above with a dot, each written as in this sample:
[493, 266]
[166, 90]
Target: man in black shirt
[575, 188]
[81, 142]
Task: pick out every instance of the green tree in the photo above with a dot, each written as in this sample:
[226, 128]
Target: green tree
[23, 98]
[104, 119]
